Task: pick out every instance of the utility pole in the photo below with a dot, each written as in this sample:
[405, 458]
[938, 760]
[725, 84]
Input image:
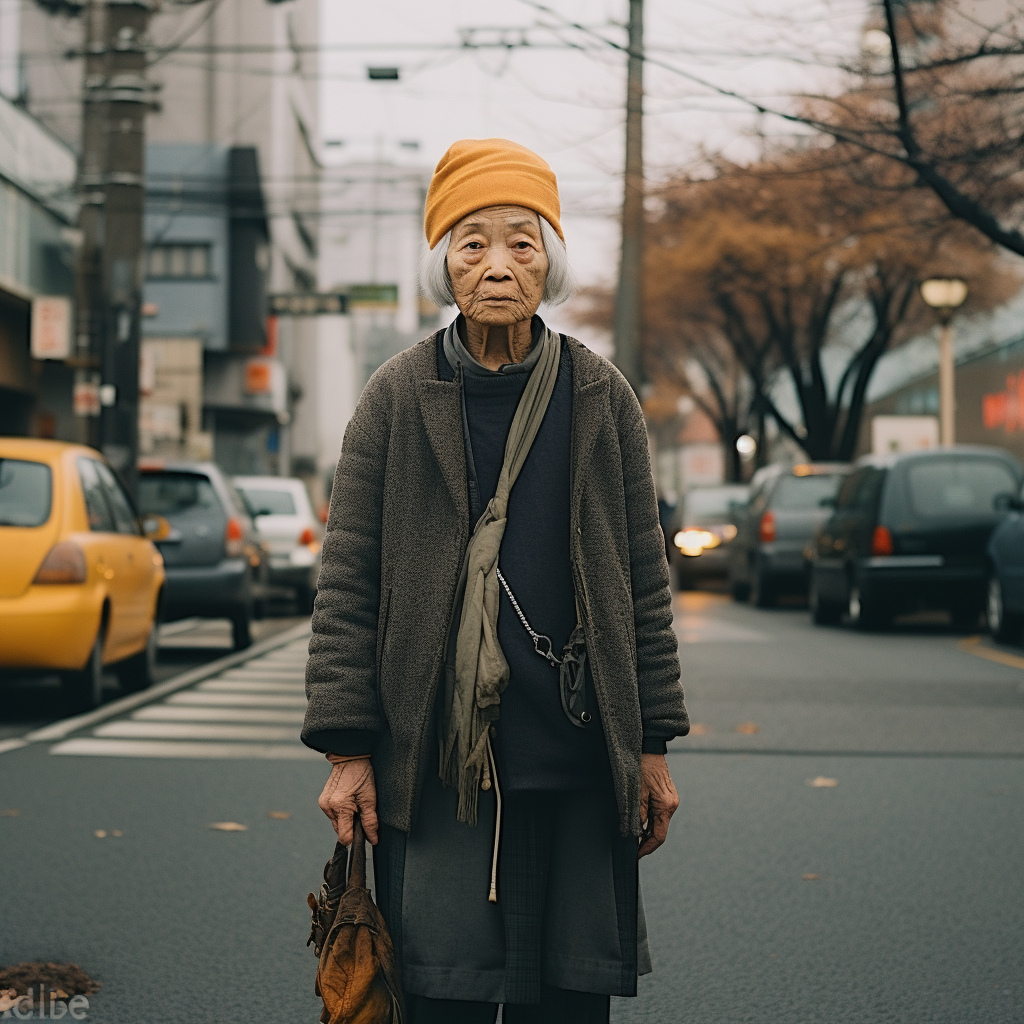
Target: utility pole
[112, 188]
[91, 188]
[629, 296]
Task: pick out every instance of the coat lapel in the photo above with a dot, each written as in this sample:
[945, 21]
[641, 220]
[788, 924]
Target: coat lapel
[441, 410]
[589, 404]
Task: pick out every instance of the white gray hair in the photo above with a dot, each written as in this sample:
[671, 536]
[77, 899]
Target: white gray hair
[558, 286]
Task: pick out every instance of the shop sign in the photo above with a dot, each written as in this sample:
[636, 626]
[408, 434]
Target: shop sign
[50, 329]
[1005, 409]
[85, 398]
[266, 382]
[258, 377]
[308, 304]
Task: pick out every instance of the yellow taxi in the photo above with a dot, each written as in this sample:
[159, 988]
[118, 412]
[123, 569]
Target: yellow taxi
[80, 582]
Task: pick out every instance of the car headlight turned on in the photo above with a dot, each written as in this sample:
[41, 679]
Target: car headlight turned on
[64, 564]
[692, 542]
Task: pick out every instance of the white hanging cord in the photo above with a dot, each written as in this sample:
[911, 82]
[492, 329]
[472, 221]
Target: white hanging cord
[493, 895]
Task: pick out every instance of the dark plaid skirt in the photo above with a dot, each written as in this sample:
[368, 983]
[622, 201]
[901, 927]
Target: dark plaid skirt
[569, 912]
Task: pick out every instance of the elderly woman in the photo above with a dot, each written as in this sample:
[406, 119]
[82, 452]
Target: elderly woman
[493, 673]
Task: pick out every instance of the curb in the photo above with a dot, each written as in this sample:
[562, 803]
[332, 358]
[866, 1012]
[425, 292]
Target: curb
[66, 726]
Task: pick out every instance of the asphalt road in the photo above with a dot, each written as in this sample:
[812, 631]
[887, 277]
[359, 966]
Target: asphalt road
[896, 894]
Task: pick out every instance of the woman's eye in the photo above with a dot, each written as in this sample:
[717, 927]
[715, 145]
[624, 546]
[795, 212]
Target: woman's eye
[474, 245]
[522, 245]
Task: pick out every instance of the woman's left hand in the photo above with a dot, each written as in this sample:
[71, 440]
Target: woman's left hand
[658, 801]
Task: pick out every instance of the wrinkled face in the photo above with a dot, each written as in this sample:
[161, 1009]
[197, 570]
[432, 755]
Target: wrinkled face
[497, 264]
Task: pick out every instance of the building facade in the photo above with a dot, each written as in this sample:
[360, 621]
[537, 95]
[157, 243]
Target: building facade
[37, 254]
[232, 213]
[989, 398]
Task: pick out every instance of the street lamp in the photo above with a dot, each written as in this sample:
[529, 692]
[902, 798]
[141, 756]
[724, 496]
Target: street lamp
[945, 295]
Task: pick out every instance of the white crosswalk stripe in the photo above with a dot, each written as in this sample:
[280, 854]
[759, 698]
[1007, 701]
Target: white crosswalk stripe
[250, 711]
[245, 686]
[169, 713]
[265, 700]
[183, 748]
[194, 731]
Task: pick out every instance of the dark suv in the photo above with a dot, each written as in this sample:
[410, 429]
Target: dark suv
[787, 504]
[212, 555]
[910, 531]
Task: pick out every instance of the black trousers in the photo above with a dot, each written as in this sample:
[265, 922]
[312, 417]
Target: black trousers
[557, 1006]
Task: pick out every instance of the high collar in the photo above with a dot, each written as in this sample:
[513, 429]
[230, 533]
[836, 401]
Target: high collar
[458, 355]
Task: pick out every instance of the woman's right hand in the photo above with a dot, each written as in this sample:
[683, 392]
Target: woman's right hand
[350, 790]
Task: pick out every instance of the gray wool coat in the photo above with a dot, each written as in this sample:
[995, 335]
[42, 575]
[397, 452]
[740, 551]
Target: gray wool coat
[396, 536]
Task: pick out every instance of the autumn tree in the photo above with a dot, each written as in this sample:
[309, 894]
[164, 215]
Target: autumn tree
[937, 92]
[795, 268]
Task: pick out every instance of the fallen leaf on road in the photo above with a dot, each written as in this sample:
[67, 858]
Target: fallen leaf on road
[100, 833]
[822, 782]
[61, 994]
[9, 813]
[748, 728]
[46, 977]
[810, 878]
[8, 998]
[117, 832]
[699, 729]
[228, 826]
[279, 815]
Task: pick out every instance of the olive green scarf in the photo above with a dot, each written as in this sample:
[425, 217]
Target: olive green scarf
[480, 673]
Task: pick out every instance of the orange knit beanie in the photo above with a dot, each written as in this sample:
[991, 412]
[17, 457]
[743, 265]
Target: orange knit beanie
[477, 173]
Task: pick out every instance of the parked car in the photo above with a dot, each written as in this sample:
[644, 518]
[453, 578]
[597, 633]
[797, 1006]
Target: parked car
[769, 555]
[291, 531]
[80, 583]
[702, 529]
[212, 553]
[910, 531]
[1004, 609]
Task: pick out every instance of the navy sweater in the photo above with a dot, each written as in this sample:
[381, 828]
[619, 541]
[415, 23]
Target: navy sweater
[537, 747]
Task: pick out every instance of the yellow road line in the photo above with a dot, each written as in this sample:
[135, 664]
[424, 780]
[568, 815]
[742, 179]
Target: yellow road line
[972, 645]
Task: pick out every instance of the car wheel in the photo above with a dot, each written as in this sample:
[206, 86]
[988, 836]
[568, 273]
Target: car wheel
[241, 633]
[1004, 626]
[83, 689]
[763, 592]
[139, 671]
[865, 610]
[823, 613]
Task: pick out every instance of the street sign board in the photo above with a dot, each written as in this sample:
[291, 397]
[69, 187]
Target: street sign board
[381, 296]
[308, 304]
[50, 328]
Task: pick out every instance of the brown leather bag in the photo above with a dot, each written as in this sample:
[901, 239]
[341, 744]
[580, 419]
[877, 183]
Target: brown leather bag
[357, 977]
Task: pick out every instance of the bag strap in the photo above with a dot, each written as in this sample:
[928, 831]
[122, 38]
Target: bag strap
[357, 855]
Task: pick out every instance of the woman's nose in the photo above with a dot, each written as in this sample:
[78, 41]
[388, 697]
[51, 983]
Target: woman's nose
[498, 269]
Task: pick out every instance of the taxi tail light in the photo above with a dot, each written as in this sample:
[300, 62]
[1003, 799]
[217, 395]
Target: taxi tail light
[307, 537]
[64, 564]
[766, 531]
[233, 537]
[881, 541]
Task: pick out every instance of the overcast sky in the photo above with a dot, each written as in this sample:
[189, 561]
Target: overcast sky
[567, 104]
